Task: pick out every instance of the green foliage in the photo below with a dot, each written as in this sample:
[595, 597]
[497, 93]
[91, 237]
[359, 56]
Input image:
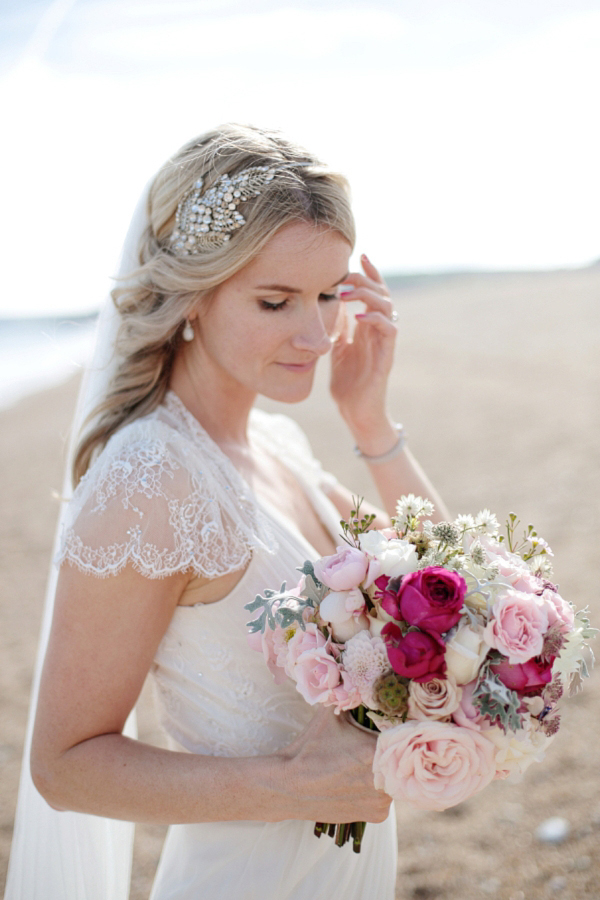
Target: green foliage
[282, 608]
[358, 524]
[497, 702]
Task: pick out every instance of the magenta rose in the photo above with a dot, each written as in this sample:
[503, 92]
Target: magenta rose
[343, 570]
[415, 655]
[432, 598]
[526, 678]
[387, 596]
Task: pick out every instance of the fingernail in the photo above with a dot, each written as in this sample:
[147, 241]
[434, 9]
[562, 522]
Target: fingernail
[360, 315]
[364, 256]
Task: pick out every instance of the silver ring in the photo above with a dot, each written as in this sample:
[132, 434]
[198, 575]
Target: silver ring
[394, 315]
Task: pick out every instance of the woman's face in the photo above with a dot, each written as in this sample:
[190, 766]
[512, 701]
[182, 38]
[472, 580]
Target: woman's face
[268, 324]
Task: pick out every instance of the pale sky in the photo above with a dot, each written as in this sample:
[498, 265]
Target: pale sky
[468, 129]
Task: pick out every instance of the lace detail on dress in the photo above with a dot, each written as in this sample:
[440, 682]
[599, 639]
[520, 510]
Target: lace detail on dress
[163, 497]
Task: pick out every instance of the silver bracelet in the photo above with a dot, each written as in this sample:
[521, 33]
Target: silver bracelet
[395, 451]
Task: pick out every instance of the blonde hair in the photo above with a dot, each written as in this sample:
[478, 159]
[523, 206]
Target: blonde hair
[163, 290]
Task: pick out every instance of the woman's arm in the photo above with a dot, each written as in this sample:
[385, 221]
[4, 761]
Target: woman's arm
[361, 366]
[104, 636]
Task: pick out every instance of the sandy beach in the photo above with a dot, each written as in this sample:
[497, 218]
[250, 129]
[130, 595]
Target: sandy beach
[497, 381]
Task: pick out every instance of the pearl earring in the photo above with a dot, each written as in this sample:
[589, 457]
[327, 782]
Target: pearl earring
[188, 331]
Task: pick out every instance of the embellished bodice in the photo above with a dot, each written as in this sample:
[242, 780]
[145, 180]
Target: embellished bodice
[163, 497]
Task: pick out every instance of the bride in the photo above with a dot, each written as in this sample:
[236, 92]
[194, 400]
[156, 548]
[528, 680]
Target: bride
[188, 502]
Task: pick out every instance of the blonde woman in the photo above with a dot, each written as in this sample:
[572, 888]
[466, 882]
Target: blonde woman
[188, 502]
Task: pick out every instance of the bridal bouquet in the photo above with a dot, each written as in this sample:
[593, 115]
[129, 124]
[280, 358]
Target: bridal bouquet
[450, 640]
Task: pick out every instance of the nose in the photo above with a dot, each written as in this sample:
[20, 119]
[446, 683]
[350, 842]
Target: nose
[312, 334]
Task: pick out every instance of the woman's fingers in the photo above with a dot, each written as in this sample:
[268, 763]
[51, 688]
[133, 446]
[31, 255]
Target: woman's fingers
[374, 301]
[370, 269]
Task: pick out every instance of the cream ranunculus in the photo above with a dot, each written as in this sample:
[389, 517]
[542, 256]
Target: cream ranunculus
[515, 751]
[465, 652]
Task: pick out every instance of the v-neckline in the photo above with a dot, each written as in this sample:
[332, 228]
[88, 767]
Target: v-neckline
[177, 405]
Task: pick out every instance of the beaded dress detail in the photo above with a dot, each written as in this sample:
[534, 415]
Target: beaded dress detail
[164, 497]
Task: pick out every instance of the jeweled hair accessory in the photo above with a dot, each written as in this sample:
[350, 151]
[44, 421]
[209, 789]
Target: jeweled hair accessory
[206, 220]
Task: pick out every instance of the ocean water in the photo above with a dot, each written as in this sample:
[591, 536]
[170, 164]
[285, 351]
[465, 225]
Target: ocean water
[36, 353]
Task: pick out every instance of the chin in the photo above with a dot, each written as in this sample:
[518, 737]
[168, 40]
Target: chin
[288, 393]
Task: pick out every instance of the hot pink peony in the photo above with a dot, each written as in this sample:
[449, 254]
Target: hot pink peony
[518, 626]
[433, 765]
[415, 655]
[432, 598]
[526, 678]
[343, 570]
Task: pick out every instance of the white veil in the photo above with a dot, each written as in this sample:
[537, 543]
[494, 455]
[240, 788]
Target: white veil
[66, 855]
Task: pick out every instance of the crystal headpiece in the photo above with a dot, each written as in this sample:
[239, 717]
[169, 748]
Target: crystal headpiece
[205, 221]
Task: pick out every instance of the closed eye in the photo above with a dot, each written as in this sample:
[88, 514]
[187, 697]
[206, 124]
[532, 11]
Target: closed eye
[328, 297]
[273, 306]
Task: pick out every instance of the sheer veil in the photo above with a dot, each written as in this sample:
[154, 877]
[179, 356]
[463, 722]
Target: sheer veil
[69, 855]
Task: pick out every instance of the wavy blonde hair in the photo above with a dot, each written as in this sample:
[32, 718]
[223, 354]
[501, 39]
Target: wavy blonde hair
[162, 291]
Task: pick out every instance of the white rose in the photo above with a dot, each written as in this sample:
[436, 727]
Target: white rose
[465, 652]
[344, 612]
[392, 558]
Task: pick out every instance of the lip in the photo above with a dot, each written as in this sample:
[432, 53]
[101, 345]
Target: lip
[299, 367]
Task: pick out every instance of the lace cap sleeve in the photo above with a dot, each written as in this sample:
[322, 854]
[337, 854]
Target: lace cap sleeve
[164, 503]
[284, 435]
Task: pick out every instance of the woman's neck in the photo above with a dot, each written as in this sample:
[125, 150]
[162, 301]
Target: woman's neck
[221, 405]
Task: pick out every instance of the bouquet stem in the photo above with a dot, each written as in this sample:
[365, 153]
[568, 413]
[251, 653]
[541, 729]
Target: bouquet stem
[355, 830]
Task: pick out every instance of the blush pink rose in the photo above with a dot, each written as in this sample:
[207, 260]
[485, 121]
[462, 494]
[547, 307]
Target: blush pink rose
[526, 678]
[309, 639]
[432, 598]
[416, 655]
[346, 694]
[559, 611]
[433, 765]
[317, 673]
[466, 714]
[518, 626]
[343, 570]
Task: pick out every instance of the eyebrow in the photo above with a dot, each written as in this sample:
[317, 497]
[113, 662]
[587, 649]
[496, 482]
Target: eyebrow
[286, 289]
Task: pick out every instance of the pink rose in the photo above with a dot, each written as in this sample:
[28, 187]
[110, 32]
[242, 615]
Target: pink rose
[435, 699]
[309, 639]
[433, 765]
[526, 678]
[343, 570]
[346, 694]
[559, 611]
[432, 598]
[316, 673]
[416, 655]
[467, 715]
[518, 626]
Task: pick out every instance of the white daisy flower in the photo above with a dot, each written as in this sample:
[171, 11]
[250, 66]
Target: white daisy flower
[486, 522]
[411, 506]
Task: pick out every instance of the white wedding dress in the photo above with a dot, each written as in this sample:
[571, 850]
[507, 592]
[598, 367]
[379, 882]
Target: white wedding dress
[163, 497]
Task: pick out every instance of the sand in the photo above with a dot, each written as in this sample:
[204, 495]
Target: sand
[497, 381]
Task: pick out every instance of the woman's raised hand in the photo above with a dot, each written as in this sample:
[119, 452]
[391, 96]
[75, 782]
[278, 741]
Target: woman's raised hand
[329, 772]
[361, 364]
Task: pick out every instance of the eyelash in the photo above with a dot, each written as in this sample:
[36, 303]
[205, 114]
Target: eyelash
[275, 306]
